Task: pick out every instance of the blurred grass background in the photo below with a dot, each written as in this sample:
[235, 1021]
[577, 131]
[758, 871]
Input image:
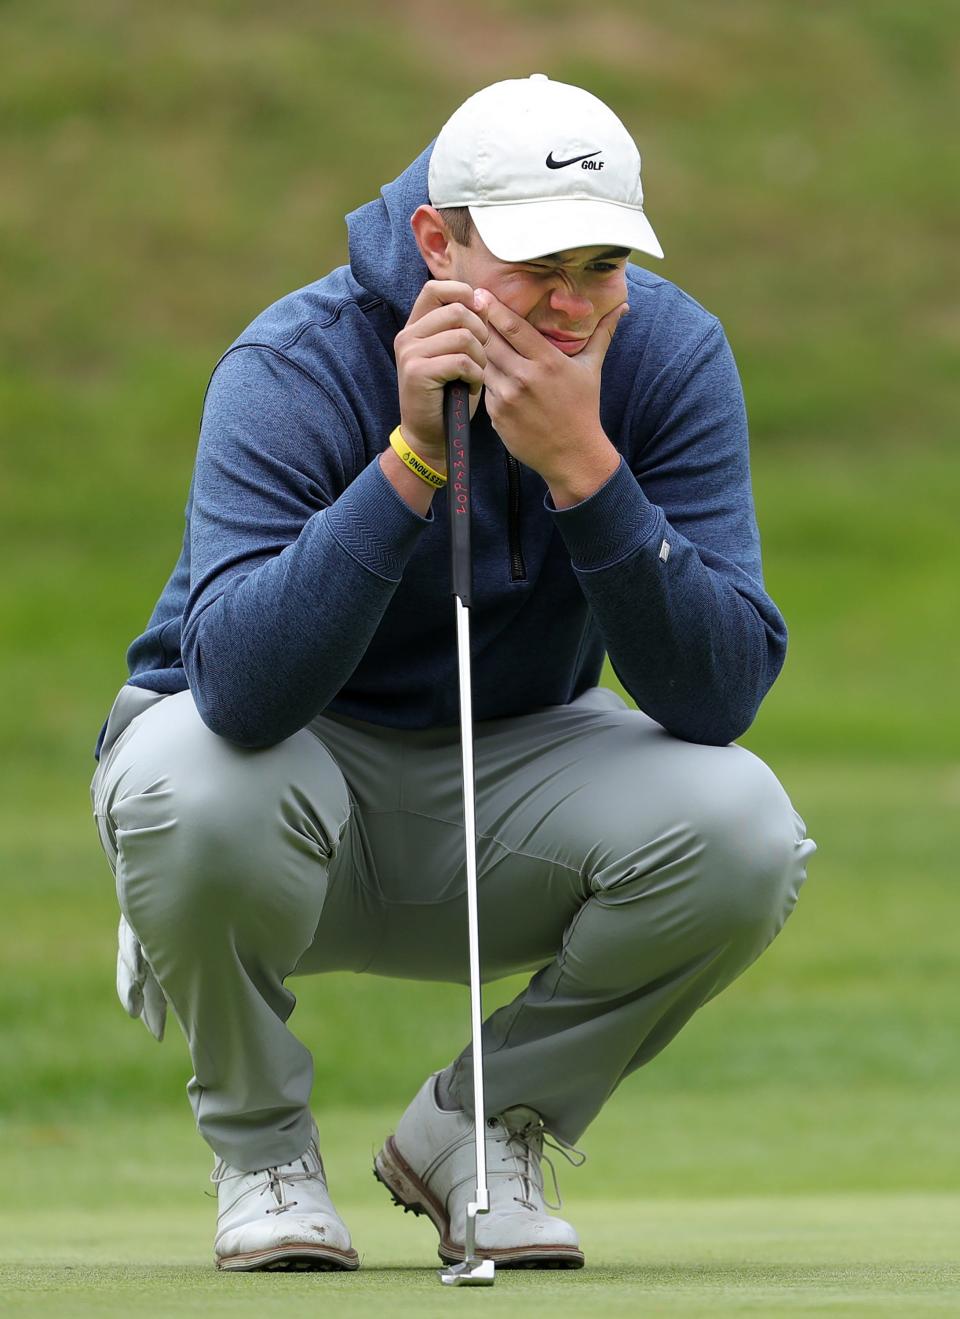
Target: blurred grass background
[170, 170]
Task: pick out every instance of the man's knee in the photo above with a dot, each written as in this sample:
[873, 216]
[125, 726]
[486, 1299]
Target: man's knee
[753, 845]
[720, 858]
[205, 829]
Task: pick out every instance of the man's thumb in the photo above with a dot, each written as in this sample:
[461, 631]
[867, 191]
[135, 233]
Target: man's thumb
[602, 336]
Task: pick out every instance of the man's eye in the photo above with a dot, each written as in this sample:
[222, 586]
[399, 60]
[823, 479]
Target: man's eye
[601, 267]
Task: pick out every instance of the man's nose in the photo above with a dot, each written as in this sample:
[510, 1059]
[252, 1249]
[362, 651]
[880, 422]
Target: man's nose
[571, 303]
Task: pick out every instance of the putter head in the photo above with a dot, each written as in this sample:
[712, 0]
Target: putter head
[471, 1273]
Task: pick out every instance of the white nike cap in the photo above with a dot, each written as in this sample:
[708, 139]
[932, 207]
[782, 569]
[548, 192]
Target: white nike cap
[542, 167]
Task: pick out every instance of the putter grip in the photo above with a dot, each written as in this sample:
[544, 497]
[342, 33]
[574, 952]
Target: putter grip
[456, 425]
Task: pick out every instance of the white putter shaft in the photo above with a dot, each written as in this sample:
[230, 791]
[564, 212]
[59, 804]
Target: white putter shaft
[473, 1271]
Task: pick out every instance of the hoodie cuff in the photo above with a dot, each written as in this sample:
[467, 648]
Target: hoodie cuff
[374, 525]
[608, 526]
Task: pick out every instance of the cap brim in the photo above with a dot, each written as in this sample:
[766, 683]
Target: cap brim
[519, 231]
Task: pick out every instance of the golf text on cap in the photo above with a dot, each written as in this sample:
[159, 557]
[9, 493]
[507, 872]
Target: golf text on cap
[588, 163]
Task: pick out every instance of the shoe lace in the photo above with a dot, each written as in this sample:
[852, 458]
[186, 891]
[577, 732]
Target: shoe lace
[277, 1179]
[529, 1144]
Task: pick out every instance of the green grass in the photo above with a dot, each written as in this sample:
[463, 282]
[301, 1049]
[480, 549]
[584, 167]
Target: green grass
[167, 173]
[116, 1220]
[844, 1255]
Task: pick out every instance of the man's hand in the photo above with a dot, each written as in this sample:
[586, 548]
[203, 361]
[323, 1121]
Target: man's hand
[442, 340]
[137, 987]
[545, 405]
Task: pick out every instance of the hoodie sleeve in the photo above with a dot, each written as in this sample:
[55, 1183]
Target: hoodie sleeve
[668, 557]
[295, 554]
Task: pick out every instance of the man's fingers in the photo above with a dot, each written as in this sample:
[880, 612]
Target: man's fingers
[433, 372]
[450, 317]
[500, 350]
[440, 293]
[448, 343]
[454, 341]
[598, 343]
[519, 334]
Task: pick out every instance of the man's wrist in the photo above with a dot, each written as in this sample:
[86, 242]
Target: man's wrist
[411, 489]
[591, 465]
[410, 458]
[428, 453]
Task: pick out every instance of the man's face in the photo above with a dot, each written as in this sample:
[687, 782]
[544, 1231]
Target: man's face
[565, 294]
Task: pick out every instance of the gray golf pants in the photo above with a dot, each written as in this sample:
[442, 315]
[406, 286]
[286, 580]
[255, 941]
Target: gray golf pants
[634, 874]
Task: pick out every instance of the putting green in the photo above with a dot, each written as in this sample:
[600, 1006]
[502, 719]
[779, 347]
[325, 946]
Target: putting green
[849, 1254]
[110, 1218]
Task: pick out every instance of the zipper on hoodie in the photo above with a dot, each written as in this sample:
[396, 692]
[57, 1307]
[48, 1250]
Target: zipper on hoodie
[518, 569]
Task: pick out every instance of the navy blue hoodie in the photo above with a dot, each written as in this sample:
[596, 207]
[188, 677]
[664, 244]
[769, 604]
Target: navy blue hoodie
[307, 584]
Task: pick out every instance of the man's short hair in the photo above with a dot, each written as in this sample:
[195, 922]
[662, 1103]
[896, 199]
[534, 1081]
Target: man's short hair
[460, 224]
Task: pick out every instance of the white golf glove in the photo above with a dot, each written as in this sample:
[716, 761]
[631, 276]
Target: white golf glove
[136, 984]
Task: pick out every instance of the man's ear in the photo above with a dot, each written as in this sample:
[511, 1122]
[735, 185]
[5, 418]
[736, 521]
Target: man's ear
[433, 240]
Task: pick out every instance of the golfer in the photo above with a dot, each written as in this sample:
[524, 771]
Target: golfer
[278, 788]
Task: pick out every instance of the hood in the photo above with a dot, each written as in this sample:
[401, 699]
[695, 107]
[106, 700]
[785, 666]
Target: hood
[384, 257]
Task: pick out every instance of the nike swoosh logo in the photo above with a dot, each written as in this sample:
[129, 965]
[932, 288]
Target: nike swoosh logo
[561, 164]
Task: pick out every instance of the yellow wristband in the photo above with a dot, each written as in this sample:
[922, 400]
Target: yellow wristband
[416, 464]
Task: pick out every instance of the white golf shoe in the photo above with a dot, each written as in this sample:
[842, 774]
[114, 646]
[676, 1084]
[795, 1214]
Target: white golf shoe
[429, 1166]
[280, 1218]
